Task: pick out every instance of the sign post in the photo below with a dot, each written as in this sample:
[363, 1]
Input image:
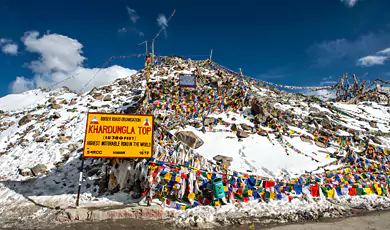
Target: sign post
[117, 136]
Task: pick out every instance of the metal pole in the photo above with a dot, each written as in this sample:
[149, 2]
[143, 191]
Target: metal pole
[80, 180]
[153, 50]
[211, 54]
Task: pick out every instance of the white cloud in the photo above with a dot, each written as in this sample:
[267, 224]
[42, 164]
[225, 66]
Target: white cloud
[162, 21]
[346, 52]
[10, 49]
[21, 84]
[349, 3]
[371, 61]
[384, 52]
[59, 59]
[57, 52]
[4, 40]
[8, 46]
[122, 30]
[132, 14]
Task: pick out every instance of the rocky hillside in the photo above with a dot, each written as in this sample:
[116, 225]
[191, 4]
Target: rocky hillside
[227, 125]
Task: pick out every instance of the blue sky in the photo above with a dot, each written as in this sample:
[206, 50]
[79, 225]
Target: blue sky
[305, 42]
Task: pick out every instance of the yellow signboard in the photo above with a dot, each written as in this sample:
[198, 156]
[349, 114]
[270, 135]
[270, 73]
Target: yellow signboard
[118, 136]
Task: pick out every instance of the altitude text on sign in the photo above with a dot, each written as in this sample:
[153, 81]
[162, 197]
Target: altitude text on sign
[118, 136]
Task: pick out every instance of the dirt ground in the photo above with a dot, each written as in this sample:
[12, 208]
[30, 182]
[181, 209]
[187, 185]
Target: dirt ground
[370, 221]
[373, 221]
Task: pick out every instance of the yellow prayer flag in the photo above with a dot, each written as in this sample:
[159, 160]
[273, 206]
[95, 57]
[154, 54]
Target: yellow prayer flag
[330, 193]
[273, 195]
[250, 193]
[168, 176]
[191, 196]
[368, 191]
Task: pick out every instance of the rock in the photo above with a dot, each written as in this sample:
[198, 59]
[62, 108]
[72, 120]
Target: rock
[314, 110]
[242, 134]
[39, 168]
[262, 118]
[41, 139]
[11, 124]
[262, 133]
[123, 82]
[93, 171]
[72, 147]
[373, 124]
[56, 115]
[220, 158]
[327, 124]
[190, 139]
[25, 172]
[52, 100]
[98, 96]
[321, 145]
[55, 106]
[246, 127]
[276, 90]
[305, 138]
[107, 98]
[208, 121]
[26, 119]
[63, 139]
[131, 110]
[73, 101]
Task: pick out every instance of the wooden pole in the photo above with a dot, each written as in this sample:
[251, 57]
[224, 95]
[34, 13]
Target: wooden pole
[80, 180]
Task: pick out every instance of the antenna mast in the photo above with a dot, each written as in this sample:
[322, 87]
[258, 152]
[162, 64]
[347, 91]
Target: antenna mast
[162, 28]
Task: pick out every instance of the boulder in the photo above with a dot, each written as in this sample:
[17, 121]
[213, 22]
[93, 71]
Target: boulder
[220, 158]
[26, 119]
[73, 102]
[276, 90]
[63, 139]
[305, 138]
[262, 133]
[98, 96]
[242, 134]
[72, 147]
[314, 110]
[52, 100]
[373, 124]
[262, 118]
[41, 139]
[123, 82]
[25, 172]
[93, 171]
[55, 106]
[131, 110]
[208, 121]
[321, 145]
[39, 168]
[107, 98]
[190, 138]
[327, 124]
[246, 127]
[56, 115]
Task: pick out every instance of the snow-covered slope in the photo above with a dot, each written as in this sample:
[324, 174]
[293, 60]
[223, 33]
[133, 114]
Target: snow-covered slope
[45, 130]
